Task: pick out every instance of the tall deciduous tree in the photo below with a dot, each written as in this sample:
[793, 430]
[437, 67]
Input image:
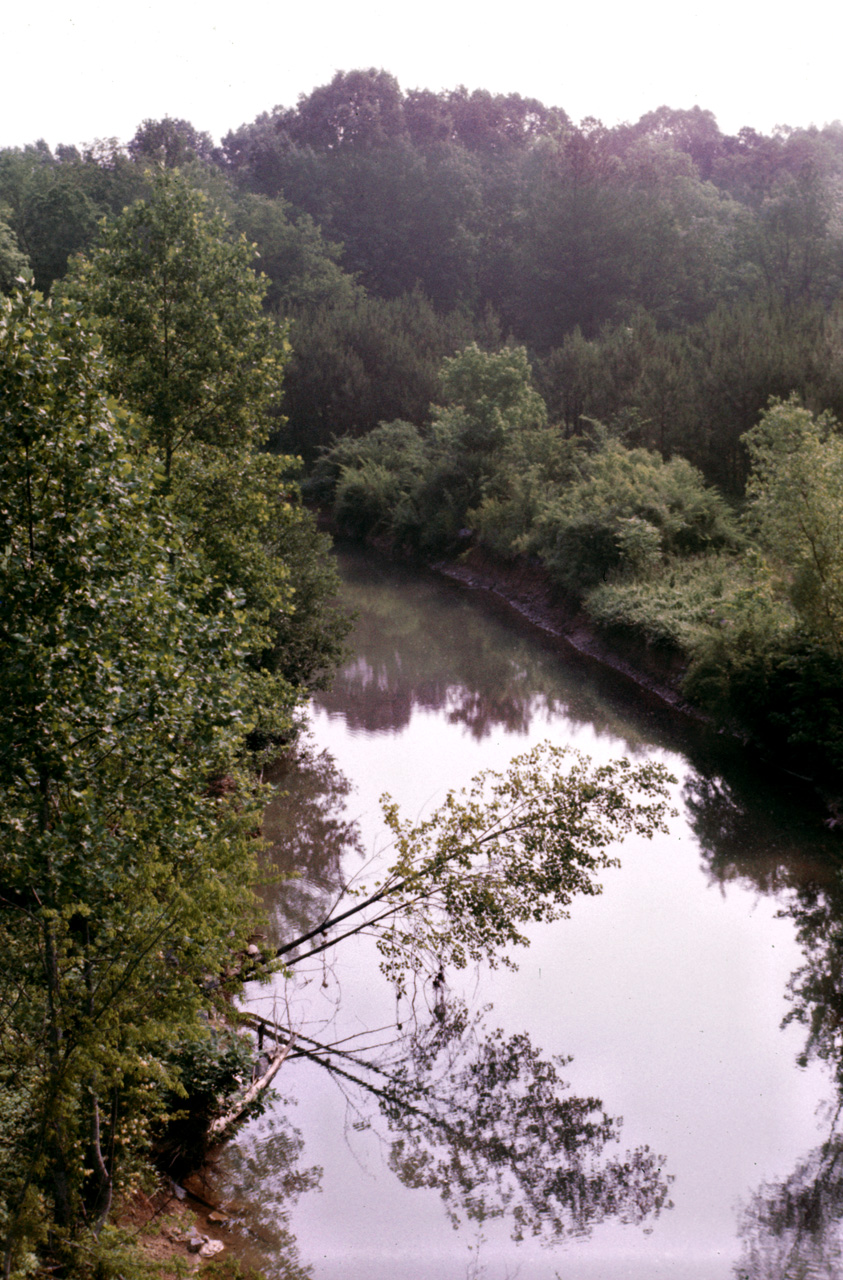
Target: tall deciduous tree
[199, 362]
[180, 310]
[124, 873]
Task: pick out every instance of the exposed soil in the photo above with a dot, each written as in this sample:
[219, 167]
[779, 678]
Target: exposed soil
[525, 588]
[168, 1224]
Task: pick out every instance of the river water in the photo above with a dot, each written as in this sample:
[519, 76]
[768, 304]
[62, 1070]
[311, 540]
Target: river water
[655, 1091]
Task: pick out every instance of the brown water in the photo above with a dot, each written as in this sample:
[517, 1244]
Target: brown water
[697, 1138]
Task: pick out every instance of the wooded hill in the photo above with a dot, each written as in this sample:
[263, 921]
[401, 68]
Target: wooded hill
[666, 278]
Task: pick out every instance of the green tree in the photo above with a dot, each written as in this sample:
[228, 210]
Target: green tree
[180, 311]
[12, 262]
[171, 142]
[302, 267]
[490, 395]
[795, 492]
[196, 358]
[358, 109]
[50, 211]
[368, 361]
[514, 849]
[124, 869]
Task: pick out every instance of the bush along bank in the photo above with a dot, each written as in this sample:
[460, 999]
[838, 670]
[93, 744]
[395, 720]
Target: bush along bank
[739, 605]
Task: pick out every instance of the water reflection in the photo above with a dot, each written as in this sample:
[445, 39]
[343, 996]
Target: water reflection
[497, 1134]
[774, 849]
[792, 1229]
[270, 1160]
[489, 1123]
[308, 833]
[789, 1228]
[815, 990]
[766, 840]
[422, 644]
[480, 1117]
[669, 995]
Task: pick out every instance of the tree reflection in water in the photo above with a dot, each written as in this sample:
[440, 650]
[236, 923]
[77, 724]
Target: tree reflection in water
[488, 1123]
[419, 647]
[791, 1229]
[308, 835]
[795, 1228]
[271, 1160]
[482, 1118]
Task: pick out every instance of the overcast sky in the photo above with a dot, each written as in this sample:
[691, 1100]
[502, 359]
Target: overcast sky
[81, 69]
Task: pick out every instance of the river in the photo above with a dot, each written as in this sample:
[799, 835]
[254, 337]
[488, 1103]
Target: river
[696, 1135]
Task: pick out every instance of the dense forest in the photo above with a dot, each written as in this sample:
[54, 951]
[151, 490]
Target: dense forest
[617, 353]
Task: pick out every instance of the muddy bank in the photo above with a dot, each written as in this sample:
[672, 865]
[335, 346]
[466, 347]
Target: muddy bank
[526, 589]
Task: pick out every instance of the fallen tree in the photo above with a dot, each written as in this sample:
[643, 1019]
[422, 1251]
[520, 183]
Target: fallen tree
[512, 850]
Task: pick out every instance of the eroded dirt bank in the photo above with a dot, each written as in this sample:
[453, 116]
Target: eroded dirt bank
[526, 589]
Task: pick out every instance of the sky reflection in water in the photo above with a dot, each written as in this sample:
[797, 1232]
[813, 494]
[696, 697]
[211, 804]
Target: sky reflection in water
[659, 1003]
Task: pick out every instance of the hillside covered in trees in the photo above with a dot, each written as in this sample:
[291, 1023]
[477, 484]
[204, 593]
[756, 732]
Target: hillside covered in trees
[665, 278]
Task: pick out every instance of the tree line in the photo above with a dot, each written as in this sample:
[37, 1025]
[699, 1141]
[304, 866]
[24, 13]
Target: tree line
[664, 276]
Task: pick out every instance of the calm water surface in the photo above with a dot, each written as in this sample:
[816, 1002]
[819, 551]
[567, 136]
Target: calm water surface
[697, 1137]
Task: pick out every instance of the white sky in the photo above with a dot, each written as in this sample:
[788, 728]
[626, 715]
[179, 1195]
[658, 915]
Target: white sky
[83, 69]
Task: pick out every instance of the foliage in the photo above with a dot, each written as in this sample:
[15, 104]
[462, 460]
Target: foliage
[367, 361]
[110, 1254]
[416, 488]
[180, 313]
[205, 1072]
[55, 201]
[13, 263]
[170, 142]
[195, 357]
[588, 511]
[125, 874]
[771, 661]
[488, 396]
[678, 606]
[242, 512]
[514, 850]
[796, 509]
[301, 267]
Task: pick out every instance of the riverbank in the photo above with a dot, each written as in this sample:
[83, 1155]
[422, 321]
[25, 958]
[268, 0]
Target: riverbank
[527, 590]
[177, 1231]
